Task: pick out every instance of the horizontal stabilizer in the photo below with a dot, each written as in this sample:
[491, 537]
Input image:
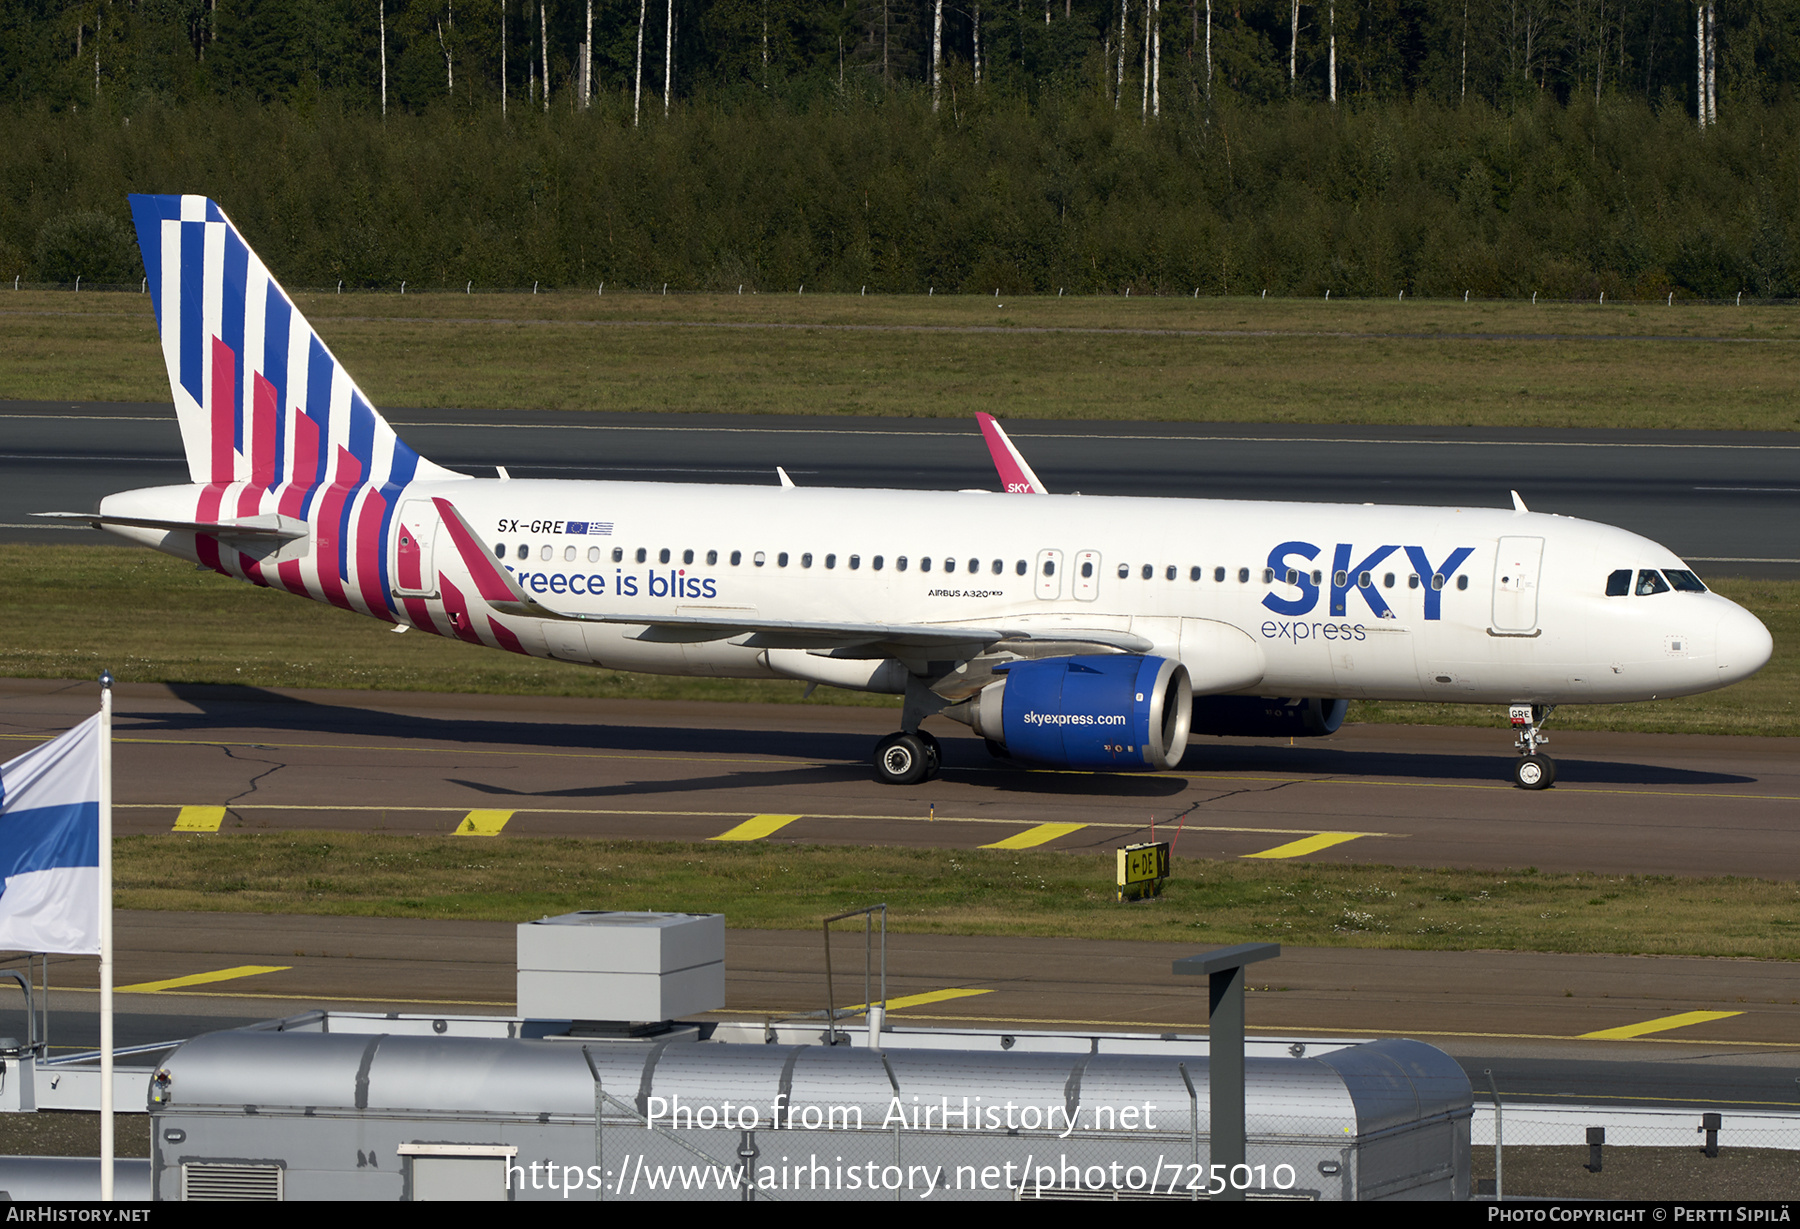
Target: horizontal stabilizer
[269, 526]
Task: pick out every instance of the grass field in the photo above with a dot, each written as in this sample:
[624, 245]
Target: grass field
[992, 892]
[69, 611]
[1226, 360]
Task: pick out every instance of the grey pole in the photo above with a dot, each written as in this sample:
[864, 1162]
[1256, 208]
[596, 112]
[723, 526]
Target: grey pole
[1224, 971]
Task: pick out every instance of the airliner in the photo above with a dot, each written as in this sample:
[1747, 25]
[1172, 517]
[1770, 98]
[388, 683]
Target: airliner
[1072, 632]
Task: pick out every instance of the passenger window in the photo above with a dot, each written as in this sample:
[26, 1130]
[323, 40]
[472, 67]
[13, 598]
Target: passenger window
[662, 556]
[641, 555]
[949, 565]
[1293, 577]
[856, 562]
[1365, 581]
[806, 560]
[975, 566]
[900, 563]
[1268, 576]
[1219, 576]
[618, 554]
[568, 554]
[1437, 580]
[524, 551]
[1317, 575]
[781, 560]
[1340, 579]
[499, 550]
[876, 563]
[1194, 574]
[924, 564]
[1462, 582]
[831, 561]
[1412, 582]
[687, 556]
[593, 554]
[544, 554]
[1651, 581]
[759, 559]
[1087, 569]
[1243, 576]
[1170, 574]
[1387, 582]
[1000, 567]
[1049, 567]
[1684, 580]
[737, 557]
[1149, 572]
[712, 558]
[1124, 570]
[1020, 567]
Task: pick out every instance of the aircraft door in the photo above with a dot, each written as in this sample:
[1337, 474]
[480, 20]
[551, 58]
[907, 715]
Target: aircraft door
[1049, 575]
[415, 532]
[1516, 569]
[1087, 575]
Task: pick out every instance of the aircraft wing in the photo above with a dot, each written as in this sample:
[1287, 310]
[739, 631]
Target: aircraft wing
[1015, 471]
[500, 590]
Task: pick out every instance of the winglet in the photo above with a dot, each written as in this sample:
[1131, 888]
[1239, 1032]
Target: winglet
[1015, 473]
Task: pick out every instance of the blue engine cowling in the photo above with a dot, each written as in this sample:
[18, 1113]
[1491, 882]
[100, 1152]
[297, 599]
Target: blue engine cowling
[1261, 717]
[1104, 712]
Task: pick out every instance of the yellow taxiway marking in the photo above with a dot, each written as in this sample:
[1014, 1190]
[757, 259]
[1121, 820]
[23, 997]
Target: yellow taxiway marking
[906, 1001]
[1041, 835]
[756, 828]
[482, 823]
[1311, 844]
[942, 819]
[1658, 1025]
[199, 819]
[202, 979]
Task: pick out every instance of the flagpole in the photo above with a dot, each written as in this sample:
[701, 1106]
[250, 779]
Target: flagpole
[106, 941]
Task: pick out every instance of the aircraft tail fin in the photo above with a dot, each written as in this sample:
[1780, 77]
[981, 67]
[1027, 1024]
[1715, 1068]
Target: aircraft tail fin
[261, 399]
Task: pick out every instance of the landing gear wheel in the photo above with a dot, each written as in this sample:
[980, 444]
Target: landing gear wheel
[902, 759]
[934, 754]
[1534, 772]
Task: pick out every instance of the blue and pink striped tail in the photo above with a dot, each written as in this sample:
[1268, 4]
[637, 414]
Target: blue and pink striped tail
[271, 421]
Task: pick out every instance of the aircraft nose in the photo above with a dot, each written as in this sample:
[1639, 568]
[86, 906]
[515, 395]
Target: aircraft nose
[1744, 644]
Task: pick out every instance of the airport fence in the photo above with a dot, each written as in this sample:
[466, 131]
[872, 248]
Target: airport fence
[1525, 1150]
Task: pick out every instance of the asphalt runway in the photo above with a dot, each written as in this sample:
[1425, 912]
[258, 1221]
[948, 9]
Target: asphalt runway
[1729, 502]
[419, 763]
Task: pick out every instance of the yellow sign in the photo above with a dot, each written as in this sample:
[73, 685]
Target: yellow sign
[1142, 870]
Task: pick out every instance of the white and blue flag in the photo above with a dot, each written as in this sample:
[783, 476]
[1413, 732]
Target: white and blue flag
[50, 845]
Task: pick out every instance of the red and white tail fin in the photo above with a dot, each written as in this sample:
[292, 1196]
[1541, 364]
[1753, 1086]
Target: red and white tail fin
[1014, 471]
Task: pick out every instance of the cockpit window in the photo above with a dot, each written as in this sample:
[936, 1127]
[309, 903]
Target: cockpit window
[1650, 581]
[1618, 584]
[1684, 580]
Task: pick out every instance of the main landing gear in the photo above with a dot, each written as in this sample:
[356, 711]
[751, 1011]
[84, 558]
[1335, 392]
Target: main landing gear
[1531, 770]
[906, 759]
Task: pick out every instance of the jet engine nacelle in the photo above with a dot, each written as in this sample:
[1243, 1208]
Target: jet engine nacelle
[1260, 717]
[1105, 712]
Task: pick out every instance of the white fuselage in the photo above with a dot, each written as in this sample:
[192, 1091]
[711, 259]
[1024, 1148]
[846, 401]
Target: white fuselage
[1523, 617]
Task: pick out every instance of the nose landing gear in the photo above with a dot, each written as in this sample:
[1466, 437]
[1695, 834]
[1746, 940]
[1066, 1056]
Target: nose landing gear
[1532, 770]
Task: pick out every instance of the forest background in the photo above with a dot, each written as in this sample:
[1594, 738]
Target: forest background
[1363, 147]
